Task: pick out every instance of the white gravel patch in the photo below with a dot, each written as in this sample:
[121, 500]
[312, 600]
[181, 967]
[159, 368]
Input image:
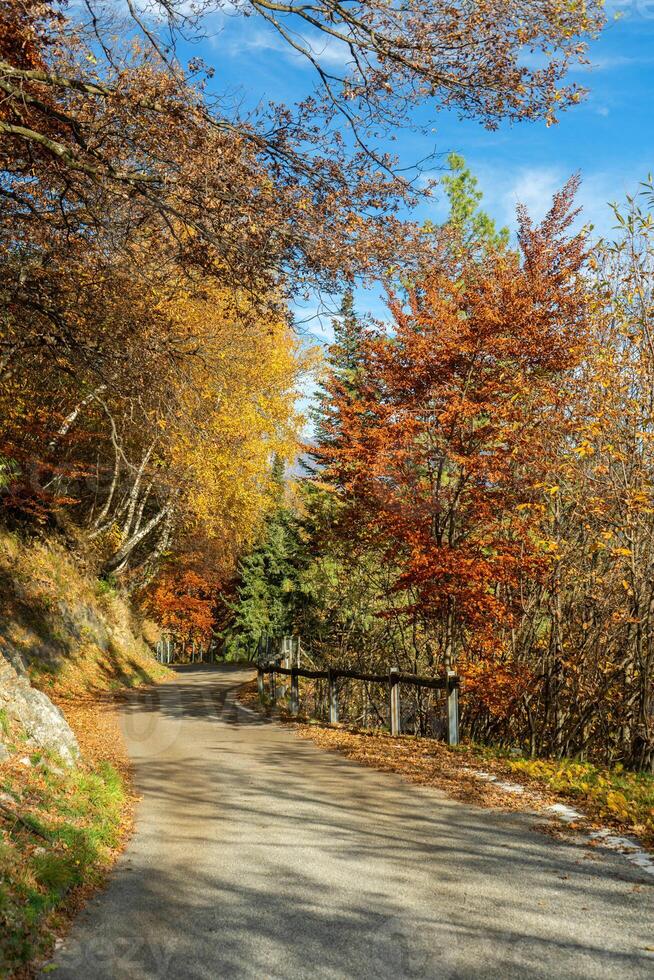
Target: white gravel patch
[488, 777]
[511, 787]
[565, 813]
[631, 849]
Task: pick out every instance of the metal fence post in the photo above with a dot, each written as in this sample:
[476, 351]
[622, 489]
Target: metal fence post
[260, 683]
[295, 692]
[333, 697]
[452, 708]
[394, 694]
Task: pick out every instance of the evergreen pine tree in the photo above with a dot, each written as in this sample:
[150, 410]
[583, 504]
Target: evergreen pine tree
[476, 228]
[268, 594]
[344, 367]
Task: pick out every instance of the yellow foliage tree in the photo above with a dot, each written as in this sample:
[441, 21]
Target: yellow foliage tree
[233, 411]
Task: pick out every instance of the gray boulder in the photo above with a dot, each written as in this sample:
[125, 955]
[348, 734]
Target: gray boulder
[42, 721]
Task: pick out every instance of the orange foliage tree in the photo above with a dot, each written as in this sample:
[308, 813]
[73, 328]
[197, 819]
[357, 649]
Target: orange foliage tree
[183, 597]
[444, 444]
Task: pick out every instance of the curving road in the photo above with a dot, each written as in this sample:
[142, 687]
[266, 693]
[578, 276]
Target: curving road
[258, 855]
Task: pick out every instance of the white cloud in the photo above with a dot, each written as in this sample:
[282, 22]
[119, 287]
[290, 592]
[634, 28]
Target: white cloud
[610, 62]
[329, 52]
[534, 186]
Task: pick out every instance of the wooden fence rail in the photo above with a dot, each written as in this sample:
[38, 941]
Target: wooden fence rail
[170, 651]
[449, 683]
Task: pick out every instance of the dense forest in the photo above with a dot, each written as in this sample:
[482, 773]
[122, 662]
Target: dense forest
[478, 477]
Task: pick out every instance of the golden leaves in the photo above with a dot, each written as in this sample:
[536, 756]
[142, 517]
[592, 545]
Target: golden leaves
[234, 411]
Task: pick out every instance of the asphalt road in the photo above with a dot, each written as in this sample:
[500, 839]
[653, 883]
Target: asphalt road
[259, 855]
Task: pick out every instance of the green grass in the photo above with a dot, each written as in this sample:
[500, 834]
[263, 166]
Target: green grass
[106, 587]
[74, 823]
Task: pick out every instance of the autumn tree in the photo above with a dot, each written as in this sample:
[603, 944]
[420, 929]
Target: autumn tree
[228, 410]
[444, 444]
[88, 122]
[184, 596]
[592, 617]
[139, 467]
[373, 59]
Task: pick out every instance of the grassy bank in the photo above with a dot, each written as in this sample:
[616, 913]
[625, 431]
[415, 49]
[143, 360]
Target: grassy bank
[75, 633]
[61, 829]
[61, 832]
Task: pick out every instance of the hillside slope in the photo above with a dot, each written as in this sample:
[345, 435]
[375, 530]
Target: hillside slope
[69, 645]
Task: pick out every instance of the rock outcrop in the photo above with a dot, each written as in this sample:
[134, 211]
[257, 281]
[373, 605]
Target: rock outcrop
[41, 722]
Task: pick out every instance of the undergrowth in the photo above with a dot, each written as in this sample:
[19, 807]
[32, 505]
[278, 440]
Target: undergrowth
[615, 794]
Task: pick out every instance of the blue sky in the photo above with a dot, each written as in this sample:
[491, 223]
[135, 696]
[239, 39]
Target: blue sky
[609, 138]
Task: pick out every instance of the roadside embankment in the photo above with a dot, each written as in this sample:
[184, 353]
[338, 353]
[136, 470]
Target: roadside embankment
[69, 648]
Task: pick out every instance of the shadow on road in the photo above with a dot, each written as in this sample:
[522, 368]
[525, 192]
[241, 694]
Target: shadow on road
[260, 855]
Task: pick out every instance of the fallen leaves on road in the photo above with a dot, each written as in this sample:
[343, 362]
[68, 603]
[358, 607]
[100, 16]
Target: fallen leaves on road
[466, 773]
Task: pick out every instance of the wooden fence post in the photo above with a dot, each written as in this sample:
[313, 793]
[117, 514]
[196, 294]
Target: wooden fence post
[333, 697]
[260, 683]
[452, 691]
[273, 686]
[295, 692]
[394, 696]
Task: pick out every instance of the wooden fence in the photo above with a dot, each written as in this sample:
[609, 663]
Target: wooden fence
[449, 683]
[170, 651]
